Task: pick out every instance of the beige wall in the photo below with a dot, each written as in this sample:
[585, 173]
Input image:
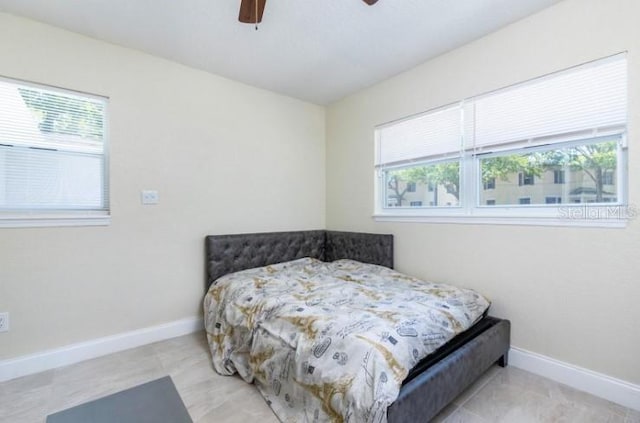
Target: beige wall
[571, 293]
[224, 156]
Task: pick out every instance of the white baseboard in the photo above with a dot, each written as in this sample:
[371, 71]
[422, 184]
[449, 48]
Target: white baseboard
[615, 390]
[612, 389]
[34, 363]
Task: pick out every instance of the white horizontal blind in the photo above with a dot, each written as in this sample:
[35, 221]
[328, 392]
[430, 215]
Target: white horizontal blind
[591, 99]
[52, 150]
[431, 135]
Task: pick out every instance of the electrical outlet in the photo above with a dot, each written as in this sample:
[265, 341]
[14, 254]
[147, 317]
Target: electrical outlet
[4, 322]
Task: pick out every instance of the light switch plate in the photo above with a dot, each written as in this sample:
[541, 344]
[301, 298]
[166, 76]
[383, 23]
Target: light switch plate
[149, 196]
[4, 322]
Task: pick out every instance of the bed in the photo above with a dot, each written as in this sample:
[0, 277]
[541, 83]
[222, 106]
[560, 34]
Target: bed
[436, 379]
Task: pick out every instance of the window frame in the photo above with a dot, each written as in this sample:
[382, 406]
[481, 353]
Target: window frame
[35, 217]
[605, 214]
[559, 214]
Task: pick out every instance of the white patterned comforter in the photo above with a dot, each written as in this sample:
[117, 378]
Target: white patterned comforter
[331, 341]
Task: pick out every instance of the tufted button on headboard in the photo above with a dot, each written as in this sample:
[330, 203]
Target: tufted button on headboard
[231, 253]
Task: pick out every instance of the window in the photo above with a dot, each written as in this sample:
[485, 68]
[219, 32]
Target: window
[53, 165]
[411, 187]
[607, 177]
[525, 178]
[424, 150]
[558, 176]
[543, 162]
[490, 184]
[416, 204]
[554, 142]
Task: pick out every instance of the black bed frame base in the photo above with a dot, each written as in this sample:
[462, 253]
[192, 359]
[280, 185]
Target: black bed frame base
[424, 396]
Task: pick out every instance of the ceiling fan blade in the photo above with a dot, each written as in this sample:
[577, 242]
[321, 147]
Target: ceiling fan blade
[248, 11]
[370, 2]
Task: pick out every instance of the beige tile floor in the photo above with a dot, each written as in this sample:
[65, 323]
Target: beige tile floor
[500, 395]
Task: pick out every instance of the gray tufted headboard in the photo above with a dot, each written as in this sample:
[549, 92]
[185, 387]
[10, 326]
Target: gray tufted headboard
[232, 253]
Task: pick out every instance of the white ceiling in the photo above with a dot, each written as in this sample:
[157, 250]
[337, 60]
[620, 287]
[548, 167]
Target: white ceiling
[319, 51]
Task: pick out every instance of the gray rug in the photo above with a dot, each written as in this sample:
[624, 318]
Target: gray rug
[157, 401]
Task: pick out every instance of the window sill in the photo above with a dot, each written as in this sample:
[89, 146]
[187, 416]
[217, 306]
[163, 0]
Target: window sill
[45, 221]
[506, 220]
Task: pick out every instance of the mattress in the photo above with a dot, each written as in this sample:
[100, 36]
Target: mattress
[331, 341]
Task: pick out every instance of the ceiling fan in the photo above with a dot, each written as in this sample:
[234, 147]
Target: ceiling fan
[251, 10]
